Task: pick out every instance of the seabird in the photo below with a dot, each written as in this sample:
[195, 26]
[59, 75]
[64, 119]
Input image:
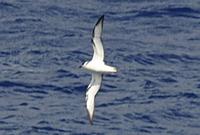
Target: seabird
[97, 67]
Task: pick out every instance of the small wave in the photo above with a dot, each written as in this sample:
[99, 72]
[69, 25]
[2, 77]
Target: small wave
[43, 122]
[36, 94]
[48, 128]
[149, 14]
[106, 104]
[177, 114]
[190, 59]
[6, 5]
[3, 122]
[9, 129]
[78, 122]
[116, 102]
[139, 58]
[101, 118]
[124, 99]
[168, 80]
[182, 12]
[37, 52]
[25, 85]
[174, 58]
[54, 10]
[69, 33]
[110, 86]
[34, 108]
[162, 96]
[13, 31]
[24, 104]
[33, 88]
[9, 53]
[138, 116]
[8, 117]
[150, 84]
[170, 11]
[150, 129]
[189, 95]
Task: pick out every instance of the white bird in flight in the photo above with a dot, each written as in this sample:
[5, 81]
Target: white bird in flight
[97, 67]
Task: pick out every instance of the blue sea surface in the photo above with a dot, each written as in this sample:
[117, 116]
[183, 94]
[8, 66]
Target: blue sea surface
[155, 44]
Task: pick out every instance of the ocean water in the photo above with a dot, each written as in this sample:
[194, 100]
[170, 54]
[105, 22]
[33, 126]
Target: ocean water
[155, 44]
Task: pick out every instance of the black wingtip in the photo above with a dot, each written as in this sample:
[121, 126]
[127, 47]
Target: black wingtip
[100, 19]
[90, 119]
[91, 123]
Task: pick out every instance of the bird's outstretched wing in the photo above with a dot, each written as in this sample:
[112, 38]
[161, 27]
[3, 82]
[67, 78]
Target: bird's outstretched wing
[93, 88]
[96, 40]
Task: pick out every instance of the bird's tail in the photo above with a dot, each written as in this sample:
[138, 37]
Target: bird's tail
[111, 69]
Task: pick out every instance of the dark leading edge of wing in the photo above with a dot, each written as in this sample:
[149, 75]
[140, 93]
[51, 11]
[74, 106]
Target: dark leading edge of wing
[98, 27]
[96, 39]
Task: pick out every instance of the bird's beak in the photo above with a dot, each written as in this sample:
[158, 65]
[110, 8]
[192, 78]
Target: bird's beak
[80, 66]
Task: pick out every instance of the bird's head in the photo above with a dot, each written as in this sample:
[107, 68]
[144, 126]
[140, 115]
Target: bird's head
[83, 65]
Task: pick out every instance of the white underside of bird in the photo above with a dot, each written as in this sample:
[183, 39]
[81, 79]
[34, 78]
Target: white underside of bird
[97, 67]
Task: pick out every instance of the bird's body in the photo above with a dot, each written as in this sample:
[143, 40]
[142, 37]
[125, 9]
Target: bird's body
[100, 67]
[97, 67]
